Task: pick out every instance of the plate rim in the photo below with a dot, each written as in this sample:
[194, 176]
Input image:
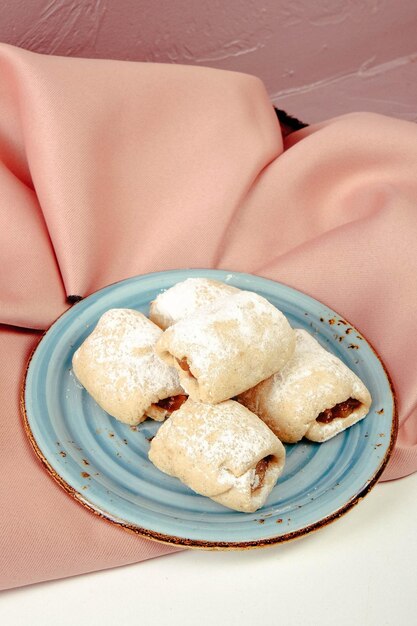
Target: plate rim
[173, 540]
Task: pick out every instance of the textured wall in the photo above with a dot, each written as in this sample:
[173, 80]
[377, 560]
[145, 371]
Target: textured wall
[317, 58]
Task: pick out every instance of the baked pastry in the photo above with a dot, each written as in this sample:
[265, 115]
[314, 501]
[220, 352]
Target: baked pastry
[186, 298]
[314, 396]
[223, 451]
[222, 352]
[117, 364]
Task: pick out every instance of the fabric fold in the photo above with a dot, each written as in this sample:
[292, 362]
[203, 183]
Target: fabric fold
[110, 169]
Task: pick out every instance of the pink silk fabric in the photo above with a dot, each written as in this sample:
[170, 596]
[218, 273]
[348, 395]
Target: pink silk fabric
[111, 169]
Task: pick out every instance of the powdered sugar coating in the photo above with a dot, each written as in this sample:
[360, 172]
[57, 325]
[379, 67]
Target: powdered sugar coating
[229, 349]
[215, 450]
[313, 380]
[187, 298]
[119, 367]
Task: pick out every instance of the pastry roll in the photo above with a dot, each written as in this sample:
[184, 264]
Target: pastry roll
[223, 451]
[186, 298]
[314, 396]
[222, 352]
[117, 364]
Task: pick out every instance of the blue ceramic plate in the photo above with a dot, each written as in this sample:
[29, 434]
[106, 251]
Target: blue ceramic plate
[103, 463]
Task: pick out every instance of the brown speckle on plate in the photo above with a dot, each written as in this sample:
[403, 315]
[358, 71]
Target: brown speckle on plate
[86, 462]
[380, 412]
[111, 434]
[85, 475]
[63, 454]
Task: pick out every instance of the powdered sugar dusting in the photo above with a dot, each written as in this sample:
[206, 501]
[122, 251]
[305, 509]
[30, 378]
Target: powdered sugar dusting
[236, 345]
[311, 358]
[118, 364]
[186, 298]
[312, 380]
[214, 448]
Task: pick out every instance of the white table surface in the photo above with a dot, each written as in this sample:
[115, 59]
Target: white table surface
[359, 570]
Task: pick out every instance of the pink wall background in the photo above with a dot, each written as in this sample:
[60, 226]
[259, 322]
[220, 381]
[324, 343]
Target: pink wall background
[317, 59]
